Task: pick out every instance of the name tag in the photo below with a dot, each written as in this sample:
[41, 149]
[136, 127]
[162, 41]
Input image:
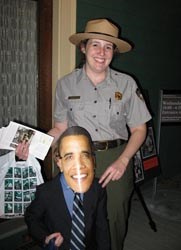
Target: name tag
[73, 97]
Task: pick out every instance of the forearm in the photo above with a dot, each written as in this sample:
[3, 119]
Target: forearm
[57, 130]
[35, 216]
[135, 141]
[36, 228]
[116, 170]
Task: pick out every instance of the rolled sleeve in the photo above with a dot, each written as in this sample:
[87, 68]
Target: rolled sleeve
[60, 109]
[137, 111]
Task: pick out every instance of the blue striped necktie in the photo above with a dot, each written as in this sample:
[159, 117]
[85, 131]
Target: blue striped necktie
[77, 241]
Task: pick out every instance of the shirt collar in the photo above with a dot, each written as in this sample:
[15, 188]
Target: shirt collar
[65, 186]
[83, 76]
[63, 181]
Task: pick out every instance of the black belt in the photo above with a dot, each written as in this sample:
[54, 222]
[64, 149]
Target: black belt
[105, 145]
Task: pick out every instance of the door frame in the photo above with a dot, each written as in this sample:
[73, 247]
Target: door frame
[57, 21]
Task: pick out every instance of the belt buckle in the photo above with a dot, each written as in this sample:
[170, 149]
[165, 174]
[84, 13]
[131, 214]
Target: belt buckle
[106, 146]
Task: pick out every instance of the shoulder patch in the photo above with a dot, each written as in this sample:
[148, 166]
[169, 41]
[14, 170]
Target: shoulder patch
[139, 94]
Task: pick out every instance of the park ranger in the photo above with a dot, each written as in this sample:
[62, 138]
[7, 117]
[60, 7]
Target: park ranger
[105, 102]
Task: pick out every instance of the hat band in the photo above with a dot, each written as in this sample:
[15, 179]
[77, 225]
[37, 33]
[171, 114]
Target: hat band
[100, 33]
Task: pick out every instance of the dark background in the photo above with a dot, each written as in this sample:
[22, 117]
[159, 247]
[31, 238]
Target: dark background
[154, 29]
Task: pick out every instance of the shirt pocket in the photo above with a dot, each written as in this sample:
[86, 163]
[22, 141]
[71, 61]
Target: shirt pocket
[117, 114]
[75, 109]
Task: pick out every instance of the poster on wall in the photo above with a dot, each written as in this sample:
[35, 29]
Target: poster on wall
[170, 107]
[138, 167]
[146, 161]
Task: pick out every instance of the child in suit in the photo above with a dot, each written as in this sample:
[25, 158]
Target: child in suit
[49, 216]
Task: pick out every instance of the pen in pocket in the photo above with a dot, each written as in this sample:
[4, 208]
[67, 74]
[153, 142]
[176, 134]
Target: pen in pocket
[109, 103]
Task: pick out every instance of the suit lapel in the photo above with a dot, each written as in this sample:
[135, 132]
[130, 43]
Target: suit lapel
[90, 198]
[60, 200]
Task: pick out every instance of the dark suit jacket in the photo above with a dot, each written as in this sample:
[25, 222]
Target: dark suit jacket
[48, 213]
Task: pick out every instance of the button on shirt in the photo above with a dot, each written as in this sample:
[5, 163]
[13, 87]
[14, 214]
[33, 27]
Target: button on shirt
[105, 109]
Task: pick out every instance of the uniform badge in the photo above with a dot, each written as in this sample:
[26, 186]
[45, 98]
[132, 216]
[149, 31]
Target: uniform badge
[73, 97]
[118, 96]
[138, 92]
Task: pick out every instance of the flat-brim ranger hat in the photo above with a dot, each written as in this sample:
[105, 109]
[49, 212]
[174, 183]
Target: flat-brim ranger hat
[104, 30]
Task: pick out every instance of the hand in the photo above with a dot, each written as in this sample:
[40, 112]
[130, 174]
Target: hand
[57, 237]
[22, 150]
[115, 171]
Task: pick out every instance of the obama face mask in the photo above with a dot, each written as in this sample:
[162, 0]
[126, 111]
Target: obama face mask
[76, 160]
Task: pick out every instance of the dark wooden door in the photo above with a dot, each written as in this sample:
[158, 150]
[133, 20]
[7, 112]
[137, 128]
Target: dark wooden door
[45, 13]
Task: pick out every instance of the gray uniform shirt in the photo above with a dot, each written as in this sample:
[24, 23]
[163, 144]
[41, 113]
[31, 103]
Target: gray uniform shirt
[105, 109]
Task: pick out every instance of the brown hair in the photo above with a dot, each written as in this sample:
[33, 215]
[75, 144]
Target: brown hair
[74, 130]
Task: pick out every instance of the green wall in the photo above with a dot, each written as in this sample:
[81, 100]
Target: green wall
[154, 28]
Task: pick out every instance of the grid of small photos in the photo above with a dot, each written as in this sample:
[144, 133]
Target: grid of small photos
[19, 190]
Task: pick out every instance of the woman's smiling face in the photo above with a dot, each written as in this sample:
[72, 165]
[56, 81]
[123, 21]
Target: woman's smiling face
[76, 162]
[99, 54]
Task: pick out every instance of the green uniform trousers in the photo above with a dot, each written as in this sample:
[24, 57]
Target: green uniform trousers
[118, 193]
